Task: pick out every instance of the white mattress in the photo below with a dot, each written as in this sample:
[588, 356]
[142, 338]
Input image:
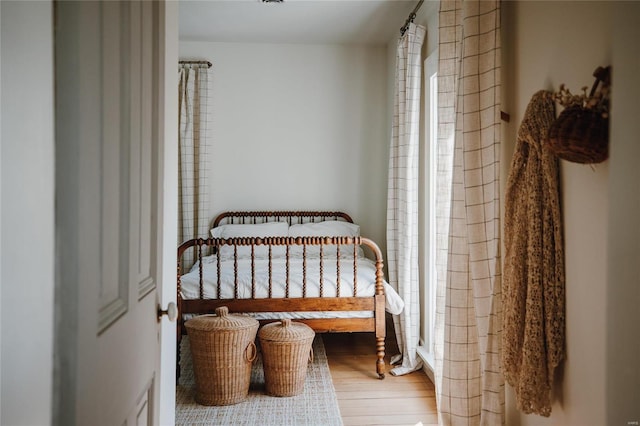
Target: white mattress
[365, 283]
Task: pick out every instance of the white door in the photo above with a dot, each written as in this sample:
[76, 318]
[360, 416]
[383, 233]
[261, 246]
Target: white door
[110, 166]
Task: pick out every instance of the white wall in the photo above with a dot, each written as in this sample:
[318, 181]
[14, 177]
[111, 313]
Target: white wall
[427, 16]
[299, 127]
[27, 221]
[623, 289]
[549, 43]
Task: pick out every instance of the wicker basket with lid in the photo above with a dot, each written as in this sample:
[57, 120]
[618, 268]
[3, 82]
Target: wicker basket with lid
[223, 349]
[286, 351]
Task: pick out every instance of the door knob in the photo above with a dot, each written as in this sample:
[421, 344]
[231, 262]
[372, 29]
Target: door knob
[171, 312]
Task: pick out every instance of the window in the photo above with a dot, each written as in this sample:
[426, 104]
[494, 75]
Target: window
[428, 211]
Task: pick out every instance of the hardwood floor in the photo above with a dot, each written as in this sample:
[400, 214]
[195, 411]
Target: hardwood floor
[366, 400]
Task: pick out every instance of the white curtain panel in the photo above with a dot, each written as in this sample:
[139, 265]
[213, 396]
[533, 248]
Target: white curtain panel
[402, 202]
[194, 127]
[469, 381]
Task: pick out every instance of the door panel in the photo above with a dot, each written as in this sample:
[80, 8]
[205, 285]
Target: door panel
[143, 412]
[107, 156]
[147, 169]
[112, 150]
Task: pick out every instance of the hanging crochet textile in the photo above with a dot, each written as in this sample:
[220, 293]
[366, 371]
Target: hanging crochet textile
[533, 281]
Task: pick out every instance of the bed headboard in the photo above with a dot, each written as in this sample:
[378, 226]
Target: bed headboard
[292, 217]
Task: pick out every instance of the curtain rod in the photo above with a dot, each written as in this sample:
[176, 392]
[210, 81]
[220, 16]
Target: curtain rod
[410, 19]
[207, 63]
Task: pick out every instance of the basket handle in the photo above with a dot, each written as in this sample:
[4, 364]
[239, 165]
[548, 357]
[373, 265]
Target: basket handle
[311, 356]
[251, 349]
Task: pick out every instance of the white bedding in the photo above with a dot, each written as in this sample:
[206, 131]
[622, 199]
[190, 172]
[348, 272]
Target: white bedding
[365, 282]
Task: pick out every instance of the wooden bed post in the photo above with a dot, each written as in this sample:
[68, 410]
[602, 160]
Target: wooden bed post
[380, 335]
[181, 249]
[380, 301]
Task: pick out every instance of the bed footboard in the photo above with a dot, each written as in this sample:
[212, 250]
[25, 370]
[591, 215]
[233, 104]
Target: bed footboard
[327, 301]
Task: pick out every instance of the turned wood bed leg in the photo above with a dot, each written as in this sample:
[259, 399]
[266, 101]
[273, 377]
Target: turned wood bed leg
[380, 366]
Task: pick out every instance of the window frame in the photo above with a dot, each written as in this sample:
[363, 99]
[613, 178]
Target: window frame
[426, 350]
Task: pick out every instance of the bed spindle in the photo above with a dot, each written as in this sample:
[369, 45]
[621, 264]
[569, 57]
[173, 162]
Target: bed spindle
[355, 268]
[321, 268]
[235, 271]
[218, 284]
[286, 289]
[270, 273]
[179, 282]
[200, 242]
[304, 269]
[253, 271]
[338, 269]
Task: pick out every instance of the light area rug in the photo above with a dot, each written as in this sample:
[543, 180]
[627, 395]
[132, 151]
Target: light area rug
[316, 405]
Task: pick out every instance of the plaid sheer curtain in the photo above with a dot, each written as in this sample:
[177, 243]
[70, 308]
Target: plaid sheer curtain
[402, 197]
[193, 192]
[469, 381]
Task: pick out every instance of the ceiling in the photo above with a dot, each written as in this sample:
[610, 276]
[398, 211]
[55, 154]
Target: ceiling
[369, 22]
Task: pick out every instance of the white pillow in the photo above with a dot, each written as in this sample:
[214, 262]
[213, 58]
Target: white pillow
[327, 228]
[269, 229]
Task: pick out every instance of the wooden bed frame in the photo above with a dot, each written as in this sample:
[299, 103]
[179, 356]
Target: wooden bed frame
[375, 304]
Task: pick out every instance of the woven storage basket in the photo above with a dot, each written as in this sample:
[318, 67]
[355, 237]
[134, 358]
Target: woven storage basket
[580, 135]
[223, 349]
[286, 351]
